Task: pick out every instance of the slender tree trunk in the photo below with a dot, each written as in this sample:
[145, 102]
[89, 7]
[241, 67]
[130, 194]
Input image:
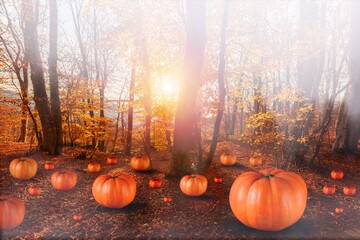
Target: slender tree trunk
[128, 142]
[233, 116]
[53, 77]
[37, 73]
[185, 131]
[204, 165]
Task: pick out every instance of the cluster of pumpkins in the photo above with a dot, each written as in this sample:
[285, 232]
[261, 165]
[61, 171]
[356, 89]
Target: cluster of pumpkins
[330, 189]
[258, 199]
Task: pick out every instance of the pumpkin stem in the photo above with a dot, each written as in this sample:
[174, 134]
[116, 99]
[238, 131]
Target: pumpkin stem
[268, 176]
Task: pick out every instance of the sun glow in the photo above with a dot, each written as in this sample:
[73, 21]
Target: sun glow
[168, 87]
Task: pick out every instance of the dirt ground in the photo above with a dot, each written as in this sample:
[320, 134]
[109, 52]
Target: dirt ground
[50, 215]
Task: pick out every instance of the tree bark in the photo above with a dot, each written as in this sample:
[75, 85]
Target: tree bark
[185, 131]
[352, 105]
[204, 165]
[30, 12]
[53, 77]
[128, 142]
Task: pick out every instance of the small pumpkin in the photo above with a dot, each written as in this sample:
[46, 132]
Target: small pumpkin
[193, 185]
[77, 217]
[34, 190]
[12, 212]
[167, 199]
[111, 160]
[329, 189]
[155, 182]
[114, 191]
[140, 162]
[93, 167]
[23, 168]
[339, 210]
[256, 160]
[49, 166]
[260, 199]
[228, 159]
[349, 191]
[218, 179]
[337, 174]
[64, 180]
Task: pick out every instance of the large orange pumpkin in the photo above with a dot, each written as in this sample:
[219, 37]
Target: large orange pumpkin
[269, 200]
[114, 191]
[23, 168]
[140, 162]
[64, 180]
[193, 185]
[228, 159]
[12, 212]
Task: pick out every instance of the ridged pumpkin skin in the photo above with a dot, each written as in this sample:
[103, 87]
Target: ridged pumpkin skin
[114, 191]
[193, 185]
[140, 162]
[64, 180]
[228, 159]
[269, 200]
[12, 212]
[23, 168]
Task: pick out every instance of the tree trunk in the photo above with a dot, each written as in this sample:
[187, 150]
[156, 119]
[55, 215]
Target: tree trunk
[233, 116]
[307, 77]
[37, 74]
[185, 131]
[204, 165]
[352, 105]
[128, 142]
[53, 77]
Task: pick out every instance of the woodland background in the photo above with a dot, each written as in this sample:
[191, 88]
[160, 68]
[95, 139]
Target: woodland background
[134, 76]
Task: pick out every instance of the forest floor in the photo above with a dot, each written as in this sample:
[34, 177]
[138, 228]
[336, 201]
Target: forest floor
[50, 215]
